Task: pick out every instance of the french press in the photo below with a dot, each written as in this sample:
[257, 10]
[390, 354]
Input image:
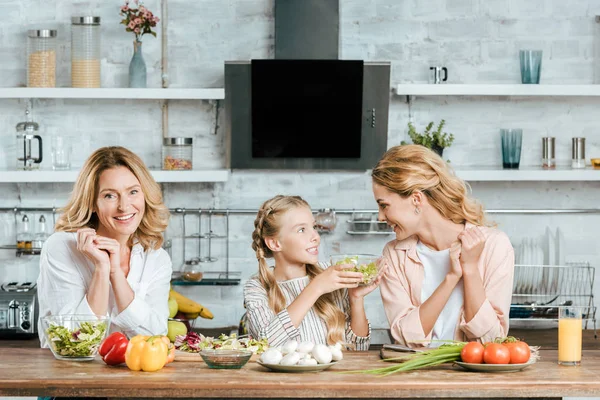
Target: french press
[28, 155]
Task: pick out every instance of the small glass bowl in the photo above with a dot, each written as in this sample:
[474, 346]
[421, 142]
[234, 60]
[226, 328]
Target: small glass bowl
[57, 327]
[225, 359]
[361, 261]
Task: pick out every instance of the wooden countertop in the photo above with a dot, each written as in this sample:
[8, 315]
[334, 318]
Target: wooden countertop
[35, 372]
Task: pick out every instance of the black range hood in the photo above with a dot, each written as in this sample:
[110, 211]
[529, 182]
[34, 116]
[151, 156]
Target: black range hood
[306, 109]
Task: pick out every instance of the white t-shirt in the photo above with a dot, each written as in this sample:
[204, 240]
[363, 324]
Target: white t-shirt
[66, 273]
[436, 266]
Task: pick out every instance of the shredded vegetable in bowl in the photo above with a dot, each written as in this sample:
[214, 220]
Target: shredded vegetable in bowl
[194, 343]
[75, 337]
[367, 264]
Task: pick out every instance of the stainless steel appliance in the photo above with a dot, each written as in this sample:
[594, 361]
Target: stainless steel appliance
[18, 310]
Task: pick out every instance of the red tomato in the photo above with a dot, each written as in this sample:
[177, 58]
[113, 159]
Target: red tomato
[519, 352]
[472, 353]
[496, 353]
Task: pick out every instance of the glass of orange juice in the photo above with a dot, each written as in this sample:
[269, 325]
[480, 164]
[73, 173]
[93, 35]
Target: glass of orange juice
[569, 335]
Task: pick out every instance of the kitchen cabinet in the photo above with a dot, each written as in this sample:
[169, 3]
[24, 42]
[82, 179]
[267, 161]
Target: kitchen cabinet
[40, 374]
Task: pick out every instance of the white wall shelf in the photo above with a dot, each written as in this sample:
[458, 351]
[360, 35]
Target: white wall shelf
[496, 90]
[13, 176]
[490, 174]
[486, 174]
[113, 93]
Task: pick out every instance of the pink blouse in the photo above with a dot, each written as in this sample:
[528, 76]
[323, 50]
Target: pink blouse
[401, 291]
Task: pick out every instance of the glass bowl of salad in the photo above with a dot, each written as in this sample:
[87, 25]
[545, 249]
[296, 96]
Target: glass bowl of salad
[75, 337]
[226, 358]
[368, 264]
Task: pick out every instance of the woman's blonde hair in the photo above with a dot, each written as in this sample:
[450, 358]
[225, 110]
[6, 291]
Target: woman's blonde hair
[409, 168]
[267, 224]
[79, 211]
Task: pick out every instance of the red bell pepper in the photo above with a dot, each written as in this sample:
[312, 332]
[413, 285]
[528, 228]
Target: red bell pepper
[113, 348]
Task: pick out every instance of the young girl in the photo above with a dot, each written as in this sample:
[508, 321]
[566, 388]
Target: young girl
[298, 299]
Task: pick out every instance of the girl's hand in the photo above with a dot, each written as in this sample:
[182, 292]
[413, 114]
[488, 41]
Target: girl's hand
[473, 242]
[455, 254]
[337, 277]
[362, 291]
[85, 244]
[113, 248]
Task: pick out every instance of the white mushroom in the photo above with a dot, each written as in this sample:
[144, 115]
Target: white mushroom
[289, 347]
[322, 353]
[290, 359]
[336, 353]
[305, 347]
[307, 361]
[271, 356]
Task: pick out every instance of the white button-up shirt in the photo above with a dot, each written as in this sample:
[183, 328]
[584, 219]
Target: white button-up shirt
[66, 274]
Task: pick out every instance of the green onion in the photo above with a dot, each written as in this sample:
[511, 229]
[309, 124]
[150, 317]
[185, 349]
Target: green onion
[446, 353]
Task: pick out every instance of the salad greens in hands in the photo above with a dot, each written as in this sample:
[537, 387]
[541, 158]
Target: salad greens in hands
[83, 341]
[369, 271]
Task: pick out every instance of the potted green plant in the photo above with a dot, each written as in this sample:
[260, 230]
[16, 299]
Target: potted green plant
[436, 140]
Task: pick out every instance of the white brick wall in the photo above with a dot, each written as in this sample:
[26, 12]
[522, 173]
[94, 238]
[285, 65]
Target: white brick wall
[477, 40]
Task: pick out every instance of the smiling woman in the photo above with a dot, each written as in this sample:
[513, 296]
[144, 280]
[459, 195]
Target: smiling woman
[450, 272]
[105, 256]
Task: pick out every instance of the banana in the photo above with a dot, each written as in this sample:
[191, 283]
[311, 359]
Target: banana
[189, 306]
[205, 313]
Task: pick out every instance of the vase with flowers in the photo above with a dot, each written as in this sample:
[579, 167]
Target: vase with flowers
[139, 20]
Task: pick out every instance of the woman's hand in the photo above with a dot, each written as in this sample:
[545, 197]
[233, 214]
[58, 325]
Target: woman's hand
[113, 248]
[337, 277]
[455, 253]
[362, 291]
[473, 242]
[86, 244]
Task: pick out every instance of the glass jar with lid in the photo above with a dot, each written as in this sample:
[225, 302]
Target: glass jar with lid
[41, 58]
[85, 52]
[177, 153]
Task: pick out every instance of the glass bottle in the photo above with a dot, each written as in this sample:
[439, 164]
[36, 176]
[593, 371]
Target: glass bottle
[41, 235]
[41, 58]
[24, 236]
[177, 153]
[85, 52]
[192, 272]
[548, 153]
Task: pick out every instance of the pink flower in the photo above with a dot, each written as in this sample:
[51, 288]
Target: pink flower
[137, 21]
[156, 19]
[124, 8]
[131, 25]
[137, 30]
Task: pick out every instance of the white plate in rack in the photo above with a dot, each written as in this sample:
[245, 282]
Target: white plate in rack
[560, 247]
[551, 250]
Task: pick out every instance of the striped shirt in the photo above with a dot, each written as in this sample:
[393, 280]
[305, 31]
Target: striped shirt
[278, 328]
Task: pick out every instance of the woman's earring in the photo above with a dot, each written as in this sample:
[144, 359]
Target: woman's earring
[417, 210]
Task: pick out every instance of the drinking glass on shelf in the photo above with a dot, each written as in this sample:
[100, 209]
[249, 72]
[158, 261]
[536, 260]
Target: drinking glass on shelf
[61, 152]
[569, 335]
[531, 65]
[511, 147]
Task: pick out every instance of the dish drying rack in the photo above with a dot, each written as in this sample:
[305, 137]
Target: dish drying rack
[539, 291]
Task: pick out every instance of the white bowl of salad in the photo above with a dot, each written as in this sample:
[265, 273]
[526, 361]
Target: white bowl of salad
[368, 264]
[75, 337]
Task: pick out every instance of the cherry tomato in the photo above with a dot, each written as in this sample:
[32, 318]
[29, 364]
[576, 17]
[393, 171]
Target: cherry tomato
[472, 353]
[496, 353]
[519, 352]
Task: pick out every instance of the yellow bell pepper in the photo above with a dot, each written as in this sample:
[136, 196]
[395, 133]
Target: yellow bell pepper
[146, 353]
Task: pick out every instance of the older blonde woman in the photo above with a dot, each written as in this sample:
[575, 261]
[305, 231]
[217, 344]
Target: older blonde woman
[450, 272]
[105, 257]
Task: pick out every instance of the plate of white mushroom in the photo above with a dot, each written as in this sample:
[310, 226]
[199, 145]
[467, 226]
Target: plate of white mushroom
[301, 357]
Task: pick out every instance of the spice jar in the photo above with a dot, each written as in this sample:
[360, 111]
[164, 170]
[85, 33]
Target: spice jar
[578, 153]
[177, 153]
[548, 153]
[85, 52]
[41, 58]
